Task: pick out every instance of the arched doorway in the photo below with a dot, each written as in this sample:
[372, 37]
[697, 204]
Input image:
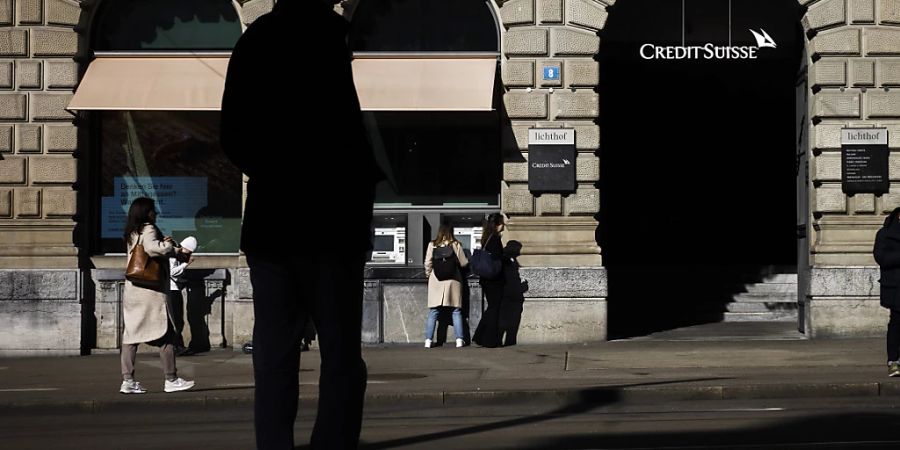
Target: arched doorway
[148, 101]
[698, 160]
[151, 96]
[427, 76]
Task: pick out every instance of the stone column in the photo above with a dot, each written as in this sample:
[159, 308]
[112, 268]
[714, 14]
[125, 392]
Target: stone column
[37, 137]
[216, 321]
[557, 232]
[853, 47]
[37, 173]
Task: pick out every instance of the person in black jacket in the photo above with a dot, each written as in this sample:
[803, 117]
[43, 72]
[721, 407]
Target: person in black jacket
[488, 332]
[887, 254]
[294, 163]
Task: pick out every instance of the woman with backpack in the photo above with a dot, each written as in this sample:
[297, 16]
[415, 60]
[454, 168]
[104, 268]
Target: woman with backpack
[488, 332]
[443, 260]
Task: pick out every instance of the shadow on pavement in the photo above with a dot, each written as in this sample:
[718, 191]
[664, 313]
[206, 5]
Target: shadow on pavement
[583, 400]
[832, 431]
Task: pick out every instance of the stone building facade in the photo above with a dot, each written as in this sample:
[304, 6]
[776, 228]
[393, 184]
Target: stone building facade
[58, 294]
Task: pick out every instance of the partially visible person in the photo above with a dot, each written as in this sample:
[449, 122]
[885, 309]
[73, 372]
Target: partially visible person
[145, 307]
[513, 293]
[887, 255]
[488, 332]
[177, 266]
[444, 260]
[302, 266]
[198, 309]
[309, 335]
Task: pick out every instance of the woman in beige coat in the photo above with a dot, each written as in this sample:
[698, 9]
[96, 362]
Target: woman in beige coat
[445, 293]
[144, 308]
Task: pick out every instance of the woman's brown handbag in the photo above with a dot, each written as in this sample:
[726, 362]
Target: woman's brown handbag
[142, 269]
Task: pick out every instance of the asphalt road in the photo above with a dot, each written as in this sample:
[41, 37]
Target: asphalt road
[757, 424]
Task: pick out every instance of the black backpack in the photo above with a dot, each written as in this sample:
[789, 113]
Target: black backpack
[444, 263]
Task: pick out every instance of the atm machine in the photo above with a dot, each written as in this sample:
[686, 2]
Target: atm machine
[470, 237]
[389, 246]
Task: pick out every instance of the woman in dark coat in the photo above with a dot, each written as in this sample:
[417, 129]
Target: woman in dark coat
[488, 332]
[887, 254]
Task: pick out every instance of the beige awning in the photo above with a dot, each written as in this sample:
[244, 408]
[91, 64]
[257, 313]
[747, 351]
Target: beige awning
[399, 84]
[152, 83]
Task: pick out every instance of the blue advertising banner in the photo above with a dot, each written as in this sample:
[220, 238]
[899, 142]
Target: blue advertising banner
[178, 200]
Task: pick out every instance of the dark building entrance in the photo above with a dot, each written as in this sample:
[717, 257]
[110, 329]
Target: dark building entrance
[698, 157]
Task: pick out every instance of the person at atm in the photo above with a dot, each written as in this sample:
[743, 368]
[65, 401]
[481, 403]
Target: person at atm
[444, 260]
[488, 333]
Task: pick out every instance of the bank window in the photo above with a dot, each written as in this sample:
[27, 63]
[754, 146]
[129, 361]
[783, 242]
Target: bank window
[432, 159]
[136, 25]
[424, 26]
[151, 99]
[174, 158]
[426, 74]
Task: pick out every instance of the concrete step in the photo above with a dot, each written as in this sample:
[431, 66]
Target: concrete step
[770, 278]
[754, 307]
[771, 287]
[772, 316]
[719, 308]
[767, 297]
[730, 331]
[781, 278]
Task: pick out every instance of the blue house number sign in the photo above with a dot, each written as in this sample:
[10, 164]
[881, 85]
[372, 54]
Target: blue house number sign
[551, 73]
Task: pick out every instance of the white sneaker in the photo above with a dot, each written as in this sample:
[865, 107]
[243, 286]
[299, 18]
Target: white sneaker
[132, 387]
[460, 343]
[179, 384]
[427, 343]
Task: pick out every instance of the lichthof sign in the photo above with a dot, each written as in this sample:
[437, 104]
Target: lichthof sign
[864, 161]
[551, 160]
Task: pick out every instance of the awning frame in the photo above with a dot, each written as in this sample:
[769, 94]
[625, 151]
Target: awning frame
[101, 89]
[419, 82]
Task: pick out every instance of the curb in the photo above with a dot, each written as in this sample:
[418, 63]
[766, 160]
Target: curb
[573, 398]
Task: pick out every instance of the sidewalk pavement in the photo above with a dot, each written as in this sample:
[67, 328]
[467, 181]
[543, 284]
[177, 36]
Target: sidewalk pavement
[632, 371]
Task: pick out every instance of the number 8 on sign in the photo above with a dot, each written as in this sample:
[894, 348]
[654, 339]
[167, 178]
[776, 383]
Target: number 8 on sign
[551, 73]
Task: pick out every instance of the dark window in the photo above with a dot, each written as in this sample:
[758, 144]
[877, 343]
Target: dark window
[435, 159]
[131, 25]
[424, 26]
[174, 158]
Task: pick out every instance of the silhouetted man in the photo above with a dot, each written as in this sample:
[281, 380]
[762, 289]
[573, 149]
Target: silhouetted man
[272, 113]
